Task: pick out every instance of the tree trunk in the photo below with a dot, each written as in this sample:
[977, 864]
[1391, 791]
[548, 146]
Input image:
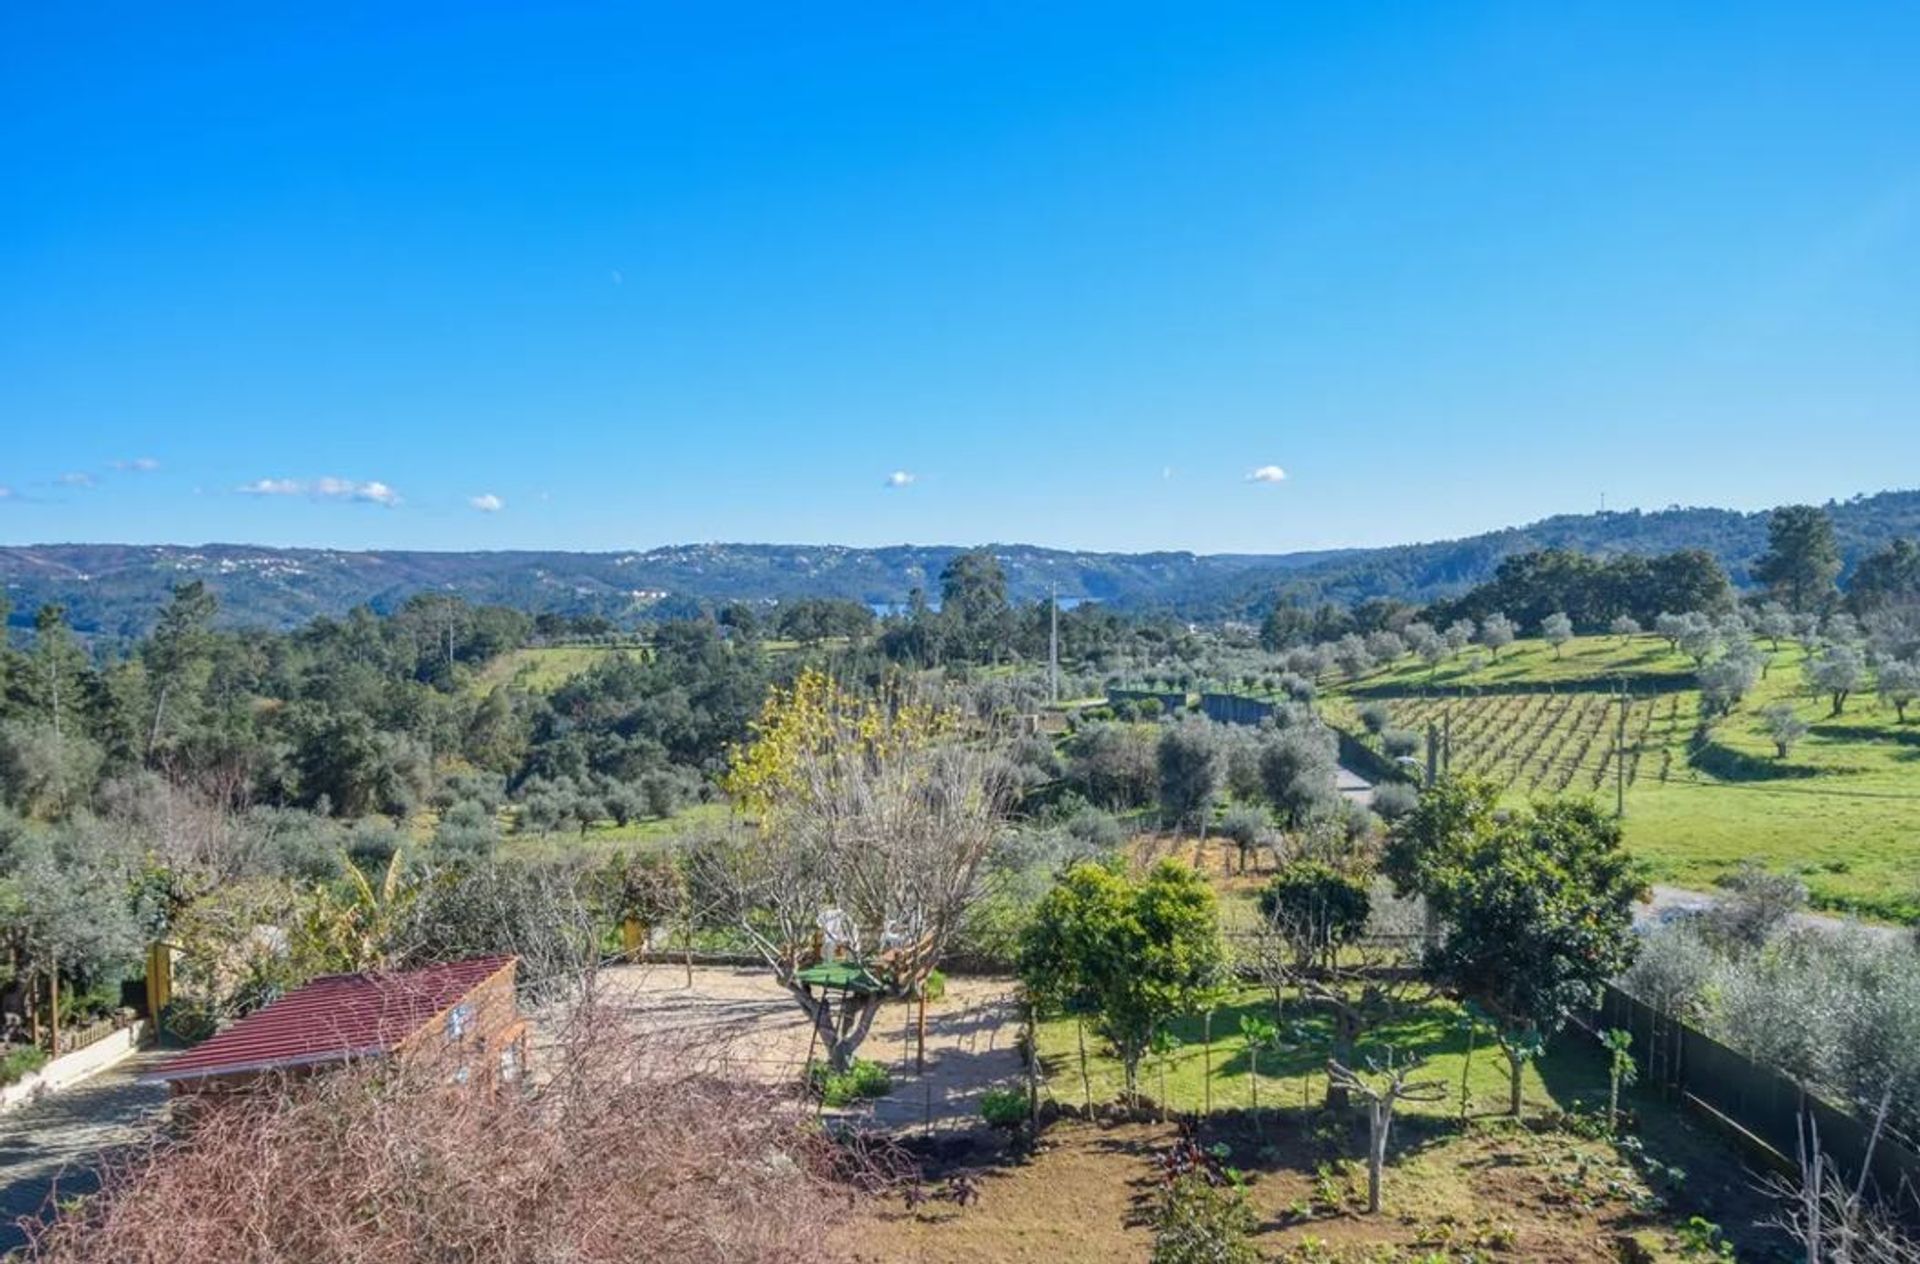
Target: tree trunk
[1379, 1121]
[1086, 1085]
[53, 1005]
[1345, 1029]
[1206, 1063]
[1466, 1064]
[1515, 1066]
[1253, 1083]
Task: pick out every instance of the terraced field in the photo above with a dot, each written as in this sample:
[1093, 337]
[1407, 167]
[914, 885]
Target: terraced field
[1842, 810]
[1554, 742]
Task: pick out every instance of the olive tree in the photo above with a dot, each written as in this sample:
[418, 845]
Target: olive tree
[1783, 728]
[1898, 684]
[1836, 672]
[1297, 773]
[1496, 633]
[1193, 766]
[1556, 629]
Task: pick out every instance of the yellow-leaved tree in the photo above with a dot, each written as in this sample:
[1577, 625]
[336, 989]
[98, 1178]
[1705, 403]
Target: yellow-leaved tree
[871, 819]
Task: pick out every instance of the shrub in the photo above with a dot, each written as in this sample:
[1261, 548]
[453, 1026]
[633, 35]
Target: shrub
[1198, 1222]
[1375, 716]
[861, 1080]
[1101, 831]
[1399, 743]
[21, 1061]
[371, 1165]
[1003, 1108]
[1394, 799]
[934, 987]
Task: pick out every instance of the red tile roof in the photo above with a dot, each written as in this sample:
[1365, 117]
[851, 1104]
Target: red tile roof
[335, 1017]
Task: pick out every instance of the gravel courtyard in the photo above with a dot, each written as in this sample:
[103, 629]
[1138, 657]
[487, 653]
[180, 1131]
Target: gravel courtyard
[746, 1020]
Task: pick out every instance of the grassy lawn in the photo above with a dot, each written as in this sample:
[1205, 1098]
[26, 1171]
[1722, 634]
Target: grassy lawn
[542, 668]
[1529, 663]
[606, 838]
[1476, 1189]
[1843, 809]
[1294, 1074]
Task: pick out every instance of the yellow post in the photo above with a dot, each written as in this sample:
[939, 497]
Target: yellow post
[633, 937]
[159, 980]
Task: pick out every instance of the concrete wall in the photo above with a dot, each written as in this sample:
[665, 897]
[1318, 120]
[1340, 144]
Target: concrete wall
[70, 1068]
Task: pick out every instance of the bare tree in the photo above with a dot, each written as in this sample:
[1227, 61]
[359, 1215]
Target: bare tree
[875, 820]
[1383, 1086]
[1834, 1221]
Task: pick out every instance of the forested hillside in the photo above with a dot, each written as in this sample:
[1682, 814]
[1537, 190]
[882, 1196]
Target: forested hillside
[115, 590]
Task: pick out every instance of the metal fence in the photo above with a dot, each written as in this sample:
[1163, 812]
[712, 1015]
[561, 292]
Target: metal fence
[1759, 1100]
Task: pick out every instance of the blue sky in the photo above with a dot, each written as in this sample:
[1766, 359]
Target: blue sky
[656, 274]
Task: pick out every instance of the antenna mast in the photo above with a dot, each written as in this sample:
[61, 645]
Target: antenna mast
[1053, 646]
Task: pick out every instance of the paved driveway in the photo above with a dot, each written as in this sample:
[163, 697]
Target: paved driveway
[49, 1144]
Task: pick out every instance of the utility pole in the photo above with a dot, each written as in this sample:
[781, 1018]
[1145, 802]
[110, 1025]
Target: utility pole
[1053, 647]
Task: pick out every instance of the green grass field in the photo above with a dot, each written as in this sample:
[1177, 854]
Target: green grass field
[1843, 809]
[604, 839]
[1293, 1074]
[543, 668]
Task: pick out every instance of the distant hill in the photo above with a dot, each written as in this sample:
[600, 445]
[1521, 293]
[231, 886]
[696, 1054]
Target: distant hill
[1423, 572]
[115, 589]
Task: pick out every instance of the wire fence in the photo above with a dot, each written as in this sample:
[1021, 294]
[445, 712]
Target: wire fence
[1762, 1103]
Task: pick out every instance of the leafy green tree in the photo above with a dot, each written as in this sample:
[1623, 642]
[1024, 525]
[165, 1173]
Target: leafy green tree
[468, 829]
[1246, 826]
[1115, 765]
[68, 892]
[1317, 909]
[1802, 560]
[1452, 816]
[1725, 682]
[973, 602]
[1193, 765]
[179, 662]
[1890, 577]
[1539, 909]
[1129, 954]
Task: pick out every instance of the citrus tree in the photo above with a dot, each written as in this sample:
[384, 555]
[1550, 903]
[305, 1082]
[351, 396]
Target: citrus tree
[1129, 954]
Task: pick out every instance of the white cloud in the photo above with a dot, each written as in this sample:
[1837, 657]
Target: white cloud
[1267, 474]
[78, 478]
[372, 492]
[273, 487]
[487, 502]
[902, 478]
[139, 465]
